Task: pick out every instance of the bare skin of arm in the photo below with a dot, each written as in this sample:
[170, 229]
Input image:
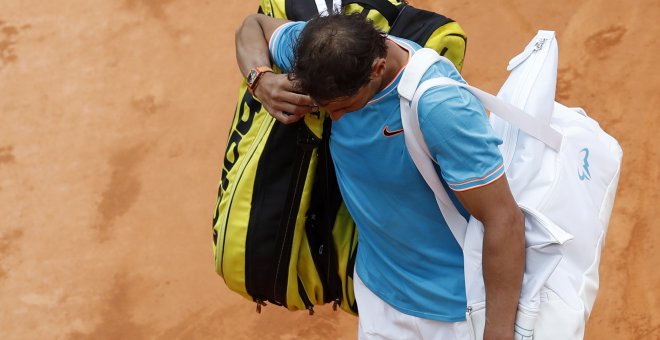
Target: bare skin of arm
[277, 93]
[503, 253]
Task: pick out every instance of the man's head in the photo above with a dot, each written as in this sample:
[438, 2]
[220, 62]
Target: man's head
[335, 56]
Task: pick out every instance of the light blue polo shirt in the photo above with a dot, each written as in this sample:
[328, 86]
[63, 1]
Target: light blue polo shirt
[407, 255]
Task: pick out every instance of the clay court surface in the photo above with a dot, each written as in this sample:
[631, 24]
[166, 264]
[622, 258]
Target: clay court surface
[113, 122]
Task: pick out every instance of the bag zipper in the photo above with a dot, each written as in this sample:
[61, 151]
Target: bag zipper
[307, 141]
[333, 259]
[522, 91]
[305, 298]
[519, 59]
[352, 254]
[468, 317]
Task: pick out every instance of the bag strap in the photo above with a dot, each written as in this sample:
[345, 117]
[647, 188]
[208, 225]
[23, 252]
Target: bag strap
[515, 116]
[418, 25]
[417, 148]
[420, 62]
[456, 222]
[322, 7]
[410, 93]
[389, 10]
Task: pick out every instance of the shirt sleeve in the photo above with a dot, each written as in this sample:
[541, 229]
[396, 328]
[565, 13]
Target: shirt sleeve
[460, 138]
[282, 44]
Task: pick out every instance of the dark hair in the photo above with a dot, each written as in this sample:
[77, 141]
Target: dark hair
[334, 55]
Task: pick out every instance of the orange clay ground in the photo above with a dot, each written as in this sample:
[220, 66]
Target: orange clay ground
[113, 122]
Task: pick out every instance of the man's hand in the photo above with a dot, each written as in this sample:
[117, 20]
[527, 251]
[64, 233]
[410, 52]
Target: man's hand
[282, 99]
[503, 253]
[279, 95]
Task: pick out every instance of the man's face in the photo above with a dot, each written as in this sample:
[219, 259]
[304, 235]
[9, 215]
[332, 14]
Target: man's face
[336, 108]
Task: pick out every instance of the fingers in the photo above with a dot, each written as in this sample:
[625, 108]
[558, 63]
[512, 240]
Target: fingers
[293, 109]
[286, 118]
[298, 99]
[283, 90]
[293, 95]
[281, 98]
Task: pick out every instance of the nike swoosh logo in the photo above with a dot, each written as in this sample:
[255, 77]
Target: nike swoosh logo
[389, 133]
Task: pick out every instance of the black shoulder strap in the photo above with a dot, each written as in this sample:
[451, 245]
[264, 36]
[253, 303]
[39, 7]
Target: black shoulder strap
[389, 10]
[300, 10]
[417, 24]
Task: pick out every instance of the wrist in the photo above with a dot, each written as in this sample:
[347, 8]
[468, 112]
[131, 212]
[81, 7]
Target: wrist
[254, 76]
[491, 332]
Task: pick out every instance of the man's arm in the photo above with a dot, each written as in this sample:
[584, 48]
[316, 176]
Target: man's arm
[277, 93]
[503, 253]
[252, 39]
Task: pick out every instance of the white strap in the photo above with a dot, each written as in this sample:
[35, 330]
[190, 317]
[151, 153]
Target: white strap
[322, 7]
[336, 6]
[419, 152]
[414, 71]
[517, 117]
[417, 148]
[456, 222]
[425, 57]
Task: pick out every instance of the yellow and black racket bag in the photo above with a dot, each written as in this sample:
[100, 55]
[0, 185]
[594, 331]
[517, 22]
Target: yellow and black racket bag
[281, 233]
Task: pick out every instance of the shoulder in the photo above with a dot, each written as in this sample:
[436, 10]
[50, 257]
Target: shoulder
[450, 95]
[455, 103]
[282, 44]
[285, 34]
[449, 110]
[405, 43]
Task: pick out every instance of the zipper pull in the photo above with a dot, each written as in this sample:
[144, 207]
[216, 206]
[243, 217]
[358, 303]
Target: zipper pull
[539, 44]
[259, 304]
[335, 304]
[306, 138]
[469, 310]
[534, 46]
